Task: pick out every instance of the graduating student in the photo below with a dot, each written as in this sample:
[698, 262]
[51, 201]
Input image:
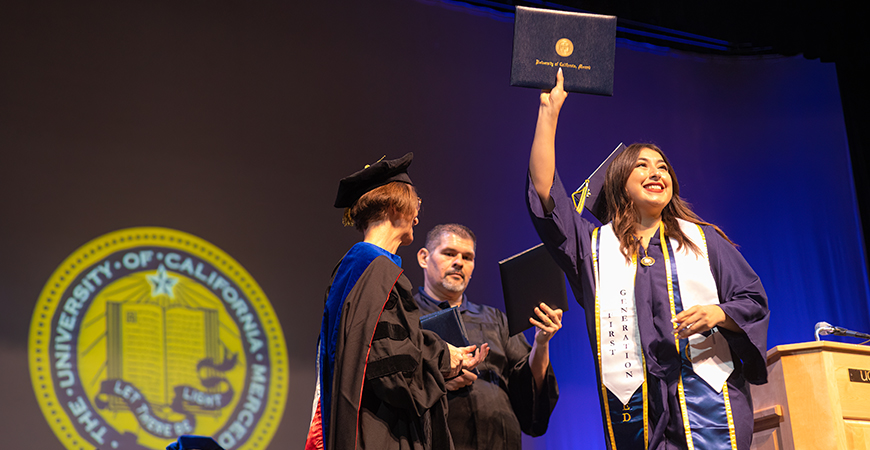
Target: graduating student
[381, 378]
[675, 314]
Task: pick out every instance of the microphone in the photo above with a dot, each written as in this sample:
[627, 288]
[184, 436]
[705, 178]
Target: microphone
[824, 328]
[844, 332]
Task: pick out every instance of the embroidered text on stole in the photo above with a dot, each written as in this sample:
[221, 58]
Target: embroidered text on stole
[621, 365]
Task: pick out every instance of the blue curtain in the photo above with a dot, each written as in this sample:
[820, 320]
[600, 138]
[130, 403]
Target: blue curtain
[760, 149]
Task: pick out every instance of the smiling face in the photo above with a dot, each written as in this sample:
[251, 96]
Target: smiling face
[447, 268]
[649, 184]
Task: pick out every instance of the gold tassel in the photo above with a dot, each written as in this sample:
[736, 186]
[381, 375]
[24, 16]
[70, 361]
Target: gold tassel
[346, 220]
[369, 165]
[583, 191]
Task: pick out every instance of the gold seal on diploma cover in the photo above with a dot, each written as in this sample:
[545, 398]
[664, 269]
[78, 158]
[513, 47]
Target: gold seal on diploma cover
[564, 47]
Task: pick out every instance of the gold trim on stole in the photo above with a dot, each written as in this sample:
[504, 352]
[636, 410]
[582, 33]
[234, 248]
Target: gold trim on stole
[731, 433]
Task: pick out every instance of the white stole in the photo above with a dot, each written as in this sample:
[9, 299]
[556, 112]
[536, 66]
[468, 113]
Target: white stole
[622, 370]
[710, 355]
[620, 348]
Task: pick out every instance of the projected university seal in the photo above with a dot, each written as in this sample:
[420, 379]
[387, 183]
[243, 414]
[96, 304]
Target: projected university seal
[145, 334]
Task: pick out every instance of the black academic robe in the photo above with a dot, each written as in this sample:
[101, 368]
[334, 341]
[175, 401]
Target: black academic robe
[386, 390]
[504, 401]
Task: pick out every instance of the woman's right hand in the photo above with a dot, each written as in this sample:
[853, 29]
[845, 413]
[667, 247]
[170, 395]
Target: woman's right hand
[553, 99]
[542, 161]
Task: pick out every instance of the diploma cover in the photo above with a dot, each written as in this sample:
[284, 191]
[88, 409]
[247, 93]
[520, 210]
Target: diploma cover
[447, 324]
[529, 279]
[582, 45]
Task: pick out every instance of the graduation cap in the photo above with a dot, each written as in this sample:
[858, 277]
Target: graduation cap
[190, 442]
[591, 188]
[352, 187]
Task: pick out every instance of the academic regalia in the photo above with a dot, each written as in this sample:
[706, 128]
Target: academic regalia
[503, 401]
[381, 383]
[741, 296]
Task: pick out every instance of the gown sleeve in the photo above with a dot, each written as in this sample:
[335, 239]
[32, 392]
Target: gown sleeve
[405, 363]
[531, 406]
[565, 233]
[742, 298]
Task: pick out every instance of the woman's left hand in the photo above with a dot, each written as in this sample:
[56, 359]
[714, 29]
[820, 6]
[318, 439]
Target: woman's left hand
[700, 318]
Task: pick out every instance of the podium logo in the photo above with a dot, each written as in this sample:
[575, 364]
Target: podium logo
[859, 376]
[145, 334]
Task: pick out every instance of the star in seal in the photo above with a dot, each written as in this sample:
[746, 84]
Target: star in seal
[162, 283]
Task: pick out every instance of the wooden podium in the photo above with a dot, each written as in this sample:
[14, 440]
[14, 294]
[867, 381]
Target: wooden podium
[817, 397]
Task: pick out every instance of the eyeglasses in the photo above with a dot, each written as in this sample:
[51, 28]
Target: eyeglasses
[419, 203]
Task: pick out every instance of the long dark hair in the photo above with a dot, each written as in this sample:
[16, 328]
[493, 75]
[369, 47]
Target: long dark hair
[623, 214]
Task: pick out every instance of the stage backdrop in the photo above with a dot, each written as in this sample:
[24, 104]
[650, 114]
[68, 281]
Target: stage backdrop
[234, 121]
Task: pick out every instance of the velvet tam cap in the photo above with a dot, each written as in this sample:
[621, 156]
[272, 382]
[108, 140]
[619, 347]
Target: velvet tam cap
[354, 186]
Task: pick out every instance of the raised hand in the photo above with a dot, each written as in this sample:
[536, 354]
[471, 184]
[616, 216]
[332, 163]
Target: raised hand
[552, 100]
[542, 161]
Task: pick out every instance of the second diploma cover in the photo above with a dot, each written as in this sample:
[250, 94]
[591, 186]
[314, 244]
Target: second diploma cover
[582, 45]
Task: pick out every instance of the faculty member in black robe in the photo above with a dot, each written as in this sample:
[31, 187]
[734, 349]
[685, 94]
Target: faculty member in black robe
[381, 378]
[516, 390]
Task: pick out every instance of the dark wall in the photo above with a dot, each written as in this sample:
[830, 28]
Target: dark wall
[234, 121]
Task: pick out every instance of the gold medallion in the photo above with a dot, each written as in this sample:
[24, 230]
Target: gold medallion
[647, 261]
[564, 47]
